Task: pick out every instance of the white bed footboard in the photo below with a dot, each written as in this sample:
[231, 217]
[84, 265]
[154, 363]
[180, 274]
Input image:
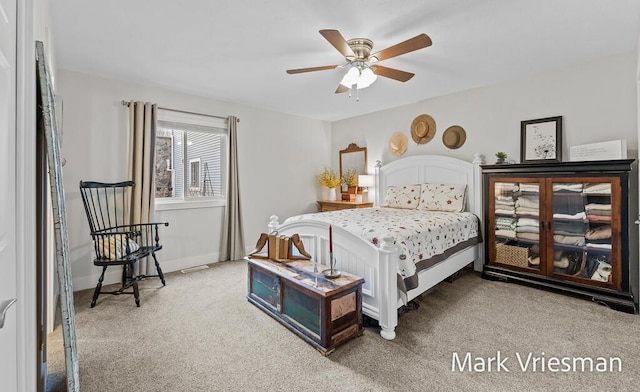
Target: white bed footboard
[379, 265]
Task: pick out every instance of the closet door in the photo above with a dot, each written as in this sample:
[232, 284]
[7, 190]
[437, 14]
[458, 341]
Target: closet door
[516, 235]
[586, 231]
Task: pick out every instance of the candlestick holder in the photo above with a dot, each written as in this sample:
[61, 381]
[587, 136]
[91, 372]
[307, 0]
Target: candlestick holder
[332, 272]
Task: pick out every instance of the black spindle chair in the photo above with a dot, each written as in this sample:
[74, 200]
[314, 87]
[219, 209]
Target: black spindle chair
[116, 240]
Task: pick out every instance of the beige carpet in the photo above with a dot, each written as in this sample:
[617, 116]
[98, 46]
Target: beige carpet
[199, 333]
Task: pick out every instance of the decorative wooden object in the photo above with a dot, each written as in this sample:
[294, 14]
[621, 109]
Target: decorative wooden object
[325, 313]
[582, 244]
[326, 205]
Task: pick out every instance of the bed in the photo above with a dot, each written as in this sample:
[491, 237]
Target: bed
[382, 261]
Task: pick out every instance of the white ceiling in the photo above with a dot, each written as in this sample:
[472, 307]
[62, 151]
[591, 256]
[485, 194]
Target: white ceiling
[238, 50]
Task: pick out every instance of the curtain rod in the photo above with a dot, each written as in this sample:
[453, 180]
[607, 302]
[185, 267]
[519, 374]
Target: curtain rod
[126, 103]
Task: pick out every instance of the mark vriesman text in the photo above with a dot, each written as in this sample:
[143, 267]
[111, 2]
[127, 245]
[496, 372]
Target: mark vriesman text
[533, 362]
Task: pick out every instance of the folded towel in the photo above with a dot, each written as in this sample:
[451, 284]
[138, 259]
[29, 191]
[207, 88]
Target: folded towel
[527, 229]
[599, 212]
[600, 232]
[569, 227]
[504, 187]
[528, 201]
[530, 188]
[567, 187]
[577, 216]
[528, 236]
[598, 218]
[568, 240]
[599, 246]
[602, 188]
[506, 233]
[528, 222]
[595, 206]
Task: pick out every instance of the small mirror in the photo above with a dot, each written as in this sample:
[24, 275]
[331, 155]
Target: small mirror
[353, 158]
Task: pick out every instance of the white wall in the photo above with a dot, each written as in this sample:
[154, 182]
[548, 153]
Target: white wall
[597, 101]
[279, 156]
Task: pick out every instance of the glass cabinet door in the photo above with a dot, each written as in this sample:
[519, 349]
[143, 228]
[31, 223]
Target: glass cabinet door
[516, 224]
[584, 230]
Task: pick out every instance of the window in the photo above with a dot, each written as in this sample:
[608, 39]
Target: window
[191, 160]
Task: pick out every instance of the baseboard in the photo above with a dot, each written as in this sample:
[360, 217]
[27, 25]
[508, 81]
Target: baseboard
[114, 274]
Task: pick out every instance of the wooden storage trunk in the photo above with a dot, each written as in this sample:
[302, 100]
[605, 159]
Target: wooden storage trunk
[323, 312]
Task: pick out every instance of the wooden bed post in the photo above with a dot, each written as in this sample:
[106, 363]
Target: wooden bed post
[388, 288]
[376, 183]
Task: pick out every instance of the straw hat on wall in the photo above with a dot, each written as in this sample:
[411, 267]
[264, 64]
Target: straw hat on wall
[454, 137]
[423, 129]
[398, 143]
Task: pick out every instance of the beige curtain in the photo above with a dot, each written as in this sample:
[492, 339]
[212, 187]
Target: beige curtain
[232, 233]
[140, 168]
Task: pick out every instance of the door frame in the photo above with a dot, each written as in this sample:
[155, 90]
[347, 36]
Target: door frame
[26, 360]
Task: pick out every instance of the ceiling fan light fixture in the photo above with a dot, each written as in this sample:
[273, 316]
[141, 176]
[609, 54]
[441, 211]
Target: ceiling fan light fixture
[363, 68]
[359, 75]
[367, 77]
[351, 77]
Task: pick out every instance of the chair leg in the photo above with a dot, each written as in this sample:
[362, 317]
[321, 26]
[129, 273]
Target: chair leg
[160, 274]
[133, 279]
[96, 293]
[136, 293]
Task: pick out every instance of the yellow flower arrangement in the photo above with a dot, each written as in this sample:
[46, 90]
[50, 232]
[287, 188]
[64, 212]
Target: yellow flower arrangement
[350, 178]
[329, 178]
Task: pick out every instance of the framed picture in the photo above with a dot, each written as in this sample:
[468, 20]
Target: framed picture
[541, 140]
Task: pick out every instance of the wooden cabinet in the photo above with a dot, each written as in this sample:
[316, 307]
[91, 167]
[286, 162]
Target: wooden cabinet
[562, 226]
[327, 205]
[324, 312]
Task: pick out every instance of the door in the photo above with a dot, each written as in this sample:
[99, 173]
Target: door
[587, 228]
[8, 334]
[514, 223]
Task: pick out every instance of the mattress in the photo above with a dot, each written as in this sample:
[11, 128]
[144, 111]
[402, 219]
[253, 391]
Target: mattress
[423, 237]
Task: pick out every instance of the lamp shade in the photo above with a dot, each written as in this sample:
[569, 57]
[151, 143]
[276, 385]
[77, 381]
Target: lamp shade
[367, 77]
[365, 180]
[351, 77]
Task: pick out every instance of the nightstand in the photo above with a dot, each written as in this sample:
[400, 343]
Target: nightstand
[333, 205]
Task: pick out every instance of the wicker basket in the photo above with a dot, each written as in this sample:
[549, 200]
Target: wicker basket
[512, 255]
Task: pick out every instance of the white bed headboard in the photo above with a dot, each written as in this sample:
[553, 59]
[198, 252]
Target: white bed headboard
[437, 169]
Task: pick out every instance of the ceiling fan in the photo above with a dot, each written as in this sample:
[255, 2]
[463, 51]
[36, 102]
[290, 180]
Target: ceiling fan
[362, 65]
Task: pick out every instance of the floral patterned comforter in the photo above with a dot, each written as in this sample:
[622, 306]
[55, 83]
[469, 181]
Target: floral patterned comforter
[421, 234]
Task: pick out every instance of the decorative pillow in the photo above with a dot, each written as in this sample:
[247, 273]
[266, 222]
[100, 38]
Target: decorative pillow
[442, 197]
[114, 247]
[402, 196]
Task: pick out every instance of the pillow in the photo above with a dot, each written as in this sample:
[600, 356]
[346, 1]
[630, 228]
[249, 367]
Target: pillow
[114, 247]
[402, 196]
[442, 197]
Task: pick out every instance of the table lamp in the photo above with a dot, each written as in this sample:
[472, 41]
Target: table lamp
[365, 181]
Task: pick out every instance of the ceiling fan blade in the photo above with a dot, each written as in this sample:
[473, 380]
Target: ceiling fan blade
[392, 73]
[415, 43]
[341, 89]
[337, 40]
[312, 69]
